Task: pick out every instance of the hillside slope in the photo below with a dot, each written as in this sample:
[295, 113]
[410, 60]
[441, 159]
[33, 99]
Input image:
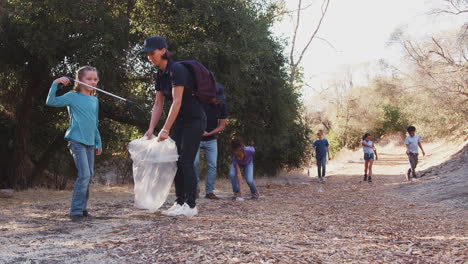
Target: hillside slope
[444, 170]
[446, 183]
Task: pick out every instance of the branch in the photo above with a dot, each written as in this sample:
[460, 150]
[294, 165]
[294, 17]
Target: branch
[295, 10]
[438, 12]
[329, 43]
[324, 11]
[456, 7]
[441, 53]
[125, 114]
[295, 35]
[411, 51]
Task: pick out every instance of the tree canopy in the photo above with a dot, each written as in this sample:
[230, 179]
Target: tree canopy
[43, 40]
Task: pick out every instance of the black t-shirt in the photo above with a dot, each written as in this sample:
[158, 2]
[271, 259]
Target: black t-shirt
[178, 75]
[214, 112]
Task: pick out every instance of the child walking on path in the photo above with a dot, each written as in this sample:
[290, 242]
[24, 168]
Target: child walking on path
[369, 151]
[242, 159]
[84, 140]
[320, 146]
[412, 142]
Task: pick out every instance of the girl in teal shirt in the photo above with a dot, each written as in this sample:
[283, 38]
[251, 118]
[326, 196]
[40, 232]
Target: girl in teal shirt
[84, 140]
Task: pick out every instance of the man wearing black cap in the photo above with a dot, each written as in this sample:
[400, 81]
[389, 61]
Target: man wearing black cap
[216, 115]
[186, 116]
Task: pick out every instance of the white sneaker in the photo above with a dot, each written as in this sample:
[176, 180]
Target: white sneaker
[174, 207]
[239, 199]
[184, 210]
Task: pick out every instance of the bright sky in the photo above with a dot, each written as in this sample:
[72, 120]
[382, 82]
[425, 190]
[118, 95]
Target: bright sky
[359, 30]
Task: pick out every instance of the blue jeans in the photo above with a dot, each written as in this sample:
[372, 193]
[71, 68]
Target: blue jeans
[248, 174]
[83, 156]
[210, 148]
[321, 165]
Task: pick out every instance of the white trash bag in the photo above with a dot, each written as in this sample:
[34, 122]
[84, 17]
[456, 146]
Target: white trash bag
[154, 169]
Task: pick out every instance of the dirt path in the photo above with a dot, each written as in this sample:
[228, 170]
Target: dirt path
[297, 220]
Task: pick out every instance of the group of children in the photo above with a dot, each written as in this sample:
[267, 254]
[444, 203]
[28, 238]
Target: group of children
[412, 142]
[84, 142]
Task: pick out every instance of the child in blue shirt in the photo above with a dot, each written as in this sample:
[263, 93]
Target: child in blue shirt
[84, 140]
[320, 146]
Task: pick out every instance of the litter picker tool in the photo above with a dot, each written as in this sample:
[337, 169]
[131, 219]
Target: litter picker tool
[310, 164]
[102, 91]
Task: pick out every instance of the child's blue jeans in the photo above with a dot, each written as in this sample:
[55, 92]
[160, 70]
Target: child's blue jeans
[248, 174]
[321, 165]
[83, 156]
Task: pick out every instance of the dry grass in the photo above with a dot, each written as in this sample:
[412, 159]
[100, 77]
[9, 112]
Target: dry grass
[296, 220]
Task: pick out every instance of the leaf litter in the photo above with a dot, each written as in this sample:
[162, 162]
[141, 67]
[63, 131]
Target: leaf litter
[295, 221]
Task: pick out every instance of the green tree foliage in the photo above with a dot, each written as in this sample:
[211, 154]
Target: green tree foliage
[233, 39]
[393, 120]
[42, 40]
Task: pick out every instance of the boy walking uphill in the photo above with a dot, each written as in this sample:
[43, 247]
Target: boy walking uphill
[320, 146]
[412, 142]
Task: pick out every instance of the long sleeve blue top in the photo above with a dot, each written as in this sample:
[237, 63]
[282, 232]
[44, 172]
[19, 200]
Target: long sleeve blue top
[83, 111]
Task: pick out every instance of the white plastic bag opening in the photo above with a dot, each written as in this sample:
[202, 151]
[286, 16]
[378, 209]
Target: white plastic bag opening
[154, 169]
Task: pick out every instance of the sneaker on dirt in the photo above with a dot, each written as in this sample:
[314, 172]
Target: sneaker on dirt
[77, 218]
[174, 207]
[190, 211]
[87, 214]
[238, 199]
[184, 210]
[255, 196]
[211, 196]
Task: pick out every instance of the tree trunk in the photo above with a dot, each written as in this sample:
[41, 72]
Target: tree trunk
[128, 114]
[22, 166]
[44, 161]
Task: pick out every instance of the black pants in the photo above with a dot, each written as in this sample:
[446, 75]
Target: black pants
[187, 134]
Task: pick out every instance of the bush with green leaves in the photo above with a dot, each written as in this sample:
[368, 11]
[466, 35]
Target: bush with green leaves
[43, 40]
